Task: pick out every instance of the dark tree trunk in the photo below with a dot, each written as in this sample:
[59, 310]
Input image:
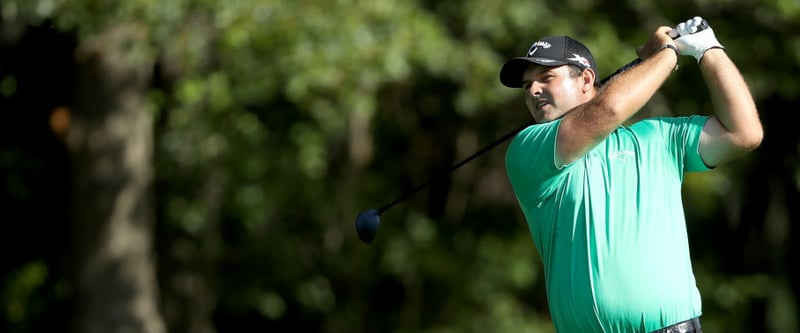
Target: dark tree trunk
[111, 148]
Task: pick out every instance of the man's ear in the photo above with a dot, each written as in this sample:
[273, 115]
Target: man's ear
[588, 77]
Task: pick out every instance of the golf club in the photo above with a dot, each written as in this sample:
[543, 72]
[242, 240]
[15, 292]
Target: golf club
[367, 221]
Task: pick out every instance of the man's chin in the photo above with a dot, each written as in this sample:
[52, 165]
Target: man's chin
[543, 116]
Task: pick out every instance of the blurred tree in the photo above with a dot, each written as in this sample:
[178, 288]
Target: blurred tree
[111, 144]
[242, 138]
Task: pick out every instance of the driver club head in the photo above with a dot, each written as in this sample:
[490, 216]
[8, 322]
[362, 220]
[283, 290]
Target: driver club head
[367, 223]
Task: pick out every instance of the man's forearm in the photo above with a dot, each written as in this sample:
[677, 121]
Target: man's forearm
[629, 92]
[620, 99]
[733, 102]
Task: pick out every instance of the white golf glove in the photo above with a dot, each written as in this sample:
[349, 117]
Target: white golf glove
[694, 37]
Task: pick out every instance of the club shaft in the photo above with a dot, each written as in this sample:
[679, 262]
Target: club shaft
[511, 134]
[456, 166]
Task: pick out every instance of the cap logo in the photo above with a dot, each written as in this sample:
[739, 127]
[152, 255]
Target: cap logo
[536, 45]
[580, 59]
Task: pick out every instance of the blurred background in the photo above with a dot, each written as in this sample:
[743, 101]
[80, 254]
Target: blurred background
[197, 165]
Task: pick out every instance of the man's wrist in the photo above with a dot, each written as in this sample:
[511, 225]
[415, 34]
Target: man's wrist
[703, 55]
[677, 54]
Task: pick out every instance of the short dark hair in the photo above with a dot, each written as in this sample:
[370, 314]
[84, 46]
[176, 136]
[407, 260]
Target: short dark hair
[575, 71]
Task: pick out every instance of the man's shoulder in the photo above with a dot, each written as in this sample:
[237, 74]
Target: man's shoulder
[536, 132]
[670, 120]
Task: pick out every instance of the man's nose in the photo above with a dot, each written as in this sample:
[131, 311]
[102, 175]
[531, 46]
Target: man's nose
[535, 89]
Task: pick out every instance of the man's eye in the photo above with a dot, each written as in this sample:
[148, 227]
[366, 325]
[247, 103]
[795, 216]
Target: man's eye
[526, 85]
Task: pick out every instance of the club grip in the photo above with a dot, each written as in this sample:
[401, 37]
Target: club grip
[621, 69]
[702, 26]
[674, 34]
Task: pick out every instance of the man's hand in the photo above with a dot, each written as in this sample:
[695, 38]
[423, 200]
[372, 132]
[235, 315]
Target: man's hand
[657, 42]
[694, 37]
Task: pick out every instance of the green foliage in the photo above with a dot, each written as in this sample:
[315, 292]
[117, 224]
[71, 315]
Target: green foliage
[277, 121]
[21, 287]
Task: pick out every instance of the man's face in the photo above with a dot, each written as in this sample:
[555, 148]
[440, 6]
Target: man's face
[552, 91]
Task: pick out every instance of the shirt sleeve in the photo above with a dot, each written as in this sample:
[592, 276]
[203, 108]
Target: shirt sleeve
[682, 135]
[530, 161]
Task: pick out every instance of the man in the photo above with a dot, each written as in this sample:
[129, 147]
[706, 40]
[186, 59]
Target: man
[603, 200]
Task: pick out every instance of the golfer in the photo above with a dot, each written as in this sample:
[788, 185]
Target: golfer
[602, 198]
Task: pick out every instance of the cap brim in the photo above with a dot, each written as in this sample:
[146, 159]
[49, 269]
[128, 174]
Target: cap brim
[511, 73]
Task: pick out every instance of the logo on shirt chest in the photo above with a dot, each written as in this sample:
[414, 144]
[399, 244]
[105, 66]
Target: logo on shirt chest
[622, 155]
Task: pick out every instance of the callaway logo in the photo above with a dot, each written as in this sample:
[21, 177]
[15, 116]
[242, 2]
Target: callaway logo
[579, 59]
[535, 46]
[623, 155]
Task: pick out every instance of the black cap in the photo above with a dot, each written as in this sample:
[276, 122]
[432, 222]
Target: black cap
[548, 51]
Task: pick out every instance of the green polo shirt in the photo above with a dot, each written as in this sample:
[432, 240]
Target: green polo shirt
[610, 226]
